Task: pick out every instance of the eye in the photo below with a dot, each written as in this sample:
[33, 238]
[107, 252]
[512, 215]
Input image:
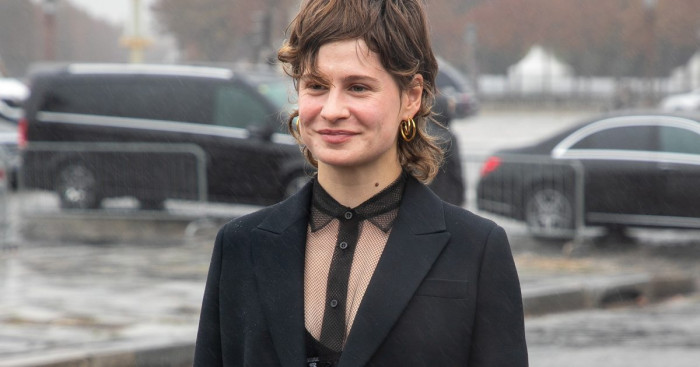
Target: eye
[358, 88]
[314, 86]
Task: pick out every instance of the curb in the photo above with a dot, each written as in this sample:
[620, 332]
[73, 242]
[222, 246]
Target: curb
[537, 300]
[154, 355]
[603, 292]
[116, 227]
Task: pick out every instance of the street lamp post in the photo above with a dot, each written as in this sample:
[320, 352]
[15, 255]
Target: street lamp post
[650, 23]
[471, 39]
[695, 66]
[49, 7]
[136, 42]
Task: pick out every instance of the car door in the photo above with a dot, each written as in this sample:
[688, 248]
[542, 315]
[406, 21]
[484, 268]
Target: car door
[619, 170]
[680, 166]
[246, 164]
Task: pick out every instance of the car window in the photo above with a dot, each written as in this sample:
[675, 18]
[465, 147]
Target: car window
[678, 140]
[620, 138]
[236, 106]
[277, 89]
[81, 98]
[171, 99]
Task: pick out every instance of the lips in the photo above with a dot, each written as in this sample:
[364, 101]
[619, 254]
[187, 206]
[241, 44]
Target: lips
[333, 136]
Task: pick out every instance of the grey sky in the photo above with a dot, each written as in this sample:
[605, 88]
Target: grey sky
[116, 11]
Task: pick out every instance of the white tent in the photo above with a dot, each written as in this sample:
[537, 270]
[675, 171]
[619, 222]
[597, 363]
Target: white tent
[539, 71]
[687, 77]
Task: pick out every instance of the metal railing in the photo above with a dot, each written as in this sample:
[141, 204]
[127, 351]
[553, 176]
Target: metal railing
[520, 178]
[4, 199]
[148, 172]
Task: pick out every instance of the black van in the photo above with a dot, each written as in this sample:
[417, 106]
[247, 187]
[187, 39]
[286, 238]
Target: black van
[155, 132]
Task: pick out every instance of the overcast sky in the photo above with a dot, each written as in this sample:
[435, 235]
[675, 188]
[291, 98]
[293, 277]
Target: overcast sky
[115, 11]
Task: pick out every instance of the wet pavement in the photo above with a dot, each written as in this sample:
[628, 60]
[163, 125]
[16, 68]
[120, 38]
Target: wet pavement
[58, 298]
[77, 302]
[663, 334]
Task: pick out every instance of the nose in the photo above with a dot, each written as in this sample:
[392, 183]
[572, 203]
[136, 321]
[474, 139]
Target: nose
[334, 107]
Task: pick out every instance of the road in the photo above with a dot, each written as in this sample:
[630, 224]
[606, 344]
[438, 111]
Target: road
[641, 334]
[666, 334]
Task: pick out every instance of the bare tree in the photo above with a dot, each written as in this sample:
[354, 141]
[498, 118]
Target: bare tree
[19, 36]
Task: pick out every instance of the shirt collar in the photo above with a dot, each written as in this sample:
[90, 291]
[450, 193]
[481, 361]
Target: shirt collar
[381, 209]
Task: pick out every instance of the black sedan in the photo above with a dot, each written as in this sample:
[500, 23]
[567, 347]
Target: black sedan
[619, 170]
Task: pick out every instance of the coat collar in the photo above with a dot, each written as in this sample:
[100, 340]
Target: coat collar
[417, 238]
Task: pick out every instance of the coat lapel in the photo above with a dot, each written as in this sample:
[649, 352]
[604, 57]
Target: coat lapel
[417, 239]
[278, 256]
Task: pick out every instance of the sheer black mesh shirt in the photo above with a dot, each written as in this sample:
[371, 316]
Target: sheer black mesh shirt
[343, 247]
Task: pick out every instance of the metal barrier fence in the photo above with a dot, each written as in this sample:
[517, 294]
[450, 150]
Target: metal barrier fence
[4, 199]
[151, 173]
[81, 174]
[544, 195]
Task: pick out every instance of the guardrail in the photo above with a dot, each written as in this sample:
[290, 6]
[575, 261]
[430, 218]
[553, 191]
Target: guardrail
[524, 180]
[149, 172]
[4, 200]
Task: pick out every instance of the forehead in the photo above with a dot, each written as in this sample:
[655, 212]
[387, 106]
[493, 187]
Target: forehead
[347, 56]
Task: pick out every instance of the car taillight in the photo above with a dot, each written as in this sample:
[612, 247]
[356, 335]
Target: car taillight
[22, 133]
[490, 165]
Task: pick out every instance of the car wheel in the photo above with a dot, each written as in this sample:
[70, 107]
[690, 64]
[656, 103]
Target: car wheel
[77, 188]
[549, 214]
[295, 184]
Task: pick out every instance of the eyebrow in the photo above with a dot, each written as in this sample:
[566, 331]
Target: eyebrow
[356, 78]
[346, 79]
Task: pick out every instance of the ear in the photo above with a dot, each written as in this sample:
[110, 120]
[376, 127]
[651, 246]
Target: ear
[413, 97]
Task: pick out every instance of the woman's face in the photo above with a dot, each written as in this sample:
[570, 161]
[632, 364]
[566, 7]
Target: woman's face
[350, 113]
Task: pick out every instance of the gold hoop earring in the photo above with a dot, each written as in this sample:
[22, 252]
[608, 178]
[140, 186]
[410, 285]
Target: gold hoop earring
[408, 129]
[296, 126]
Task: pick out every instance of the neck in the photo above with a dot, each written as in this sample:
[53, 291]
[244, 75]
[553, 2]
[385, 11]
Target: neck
[353, 186]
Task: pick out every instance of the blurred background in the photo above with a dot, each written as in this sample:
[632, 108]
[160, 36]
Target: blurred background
[605, 231]
[629, 51]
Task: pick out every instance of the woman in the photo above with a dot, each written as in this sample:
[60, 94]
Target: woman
[365, 266]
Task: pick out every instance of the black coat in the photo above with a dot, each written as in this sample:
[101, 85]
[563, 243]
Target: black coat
[445, 292]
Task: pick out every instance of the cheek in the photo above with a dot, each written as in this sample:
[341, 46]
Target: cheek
[308, 108]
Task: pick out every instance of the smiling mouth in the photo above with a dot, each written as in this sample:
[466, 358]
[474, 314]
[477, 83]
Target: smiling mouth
[336, 136]
[336, 132]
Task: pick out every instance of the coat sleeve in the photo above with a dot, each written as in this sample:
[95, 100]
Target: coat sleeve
[208, 351]
[499, 331]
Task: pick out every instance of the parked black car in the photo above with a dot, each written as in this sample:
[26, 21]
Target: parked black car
[156, 132]
[632, 169]
[451, 83]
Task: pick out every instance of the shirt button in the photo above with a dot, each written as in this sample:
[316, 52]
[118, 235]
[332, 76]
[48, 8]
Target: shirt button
[348, 215]
[343, 245]
[334, 303]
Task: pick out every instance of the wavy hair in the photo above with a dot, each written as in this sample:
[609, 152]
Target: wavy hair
[397, 31]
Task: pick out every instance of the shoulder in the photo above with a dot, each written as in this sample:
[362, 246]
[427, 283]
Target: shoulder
[462, 222]
[425, 211]
[274, 218]
[245, 223]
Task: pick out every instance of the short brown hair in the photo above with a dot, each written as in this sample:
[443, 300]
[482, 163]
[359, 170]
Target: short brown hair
[397, 31]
